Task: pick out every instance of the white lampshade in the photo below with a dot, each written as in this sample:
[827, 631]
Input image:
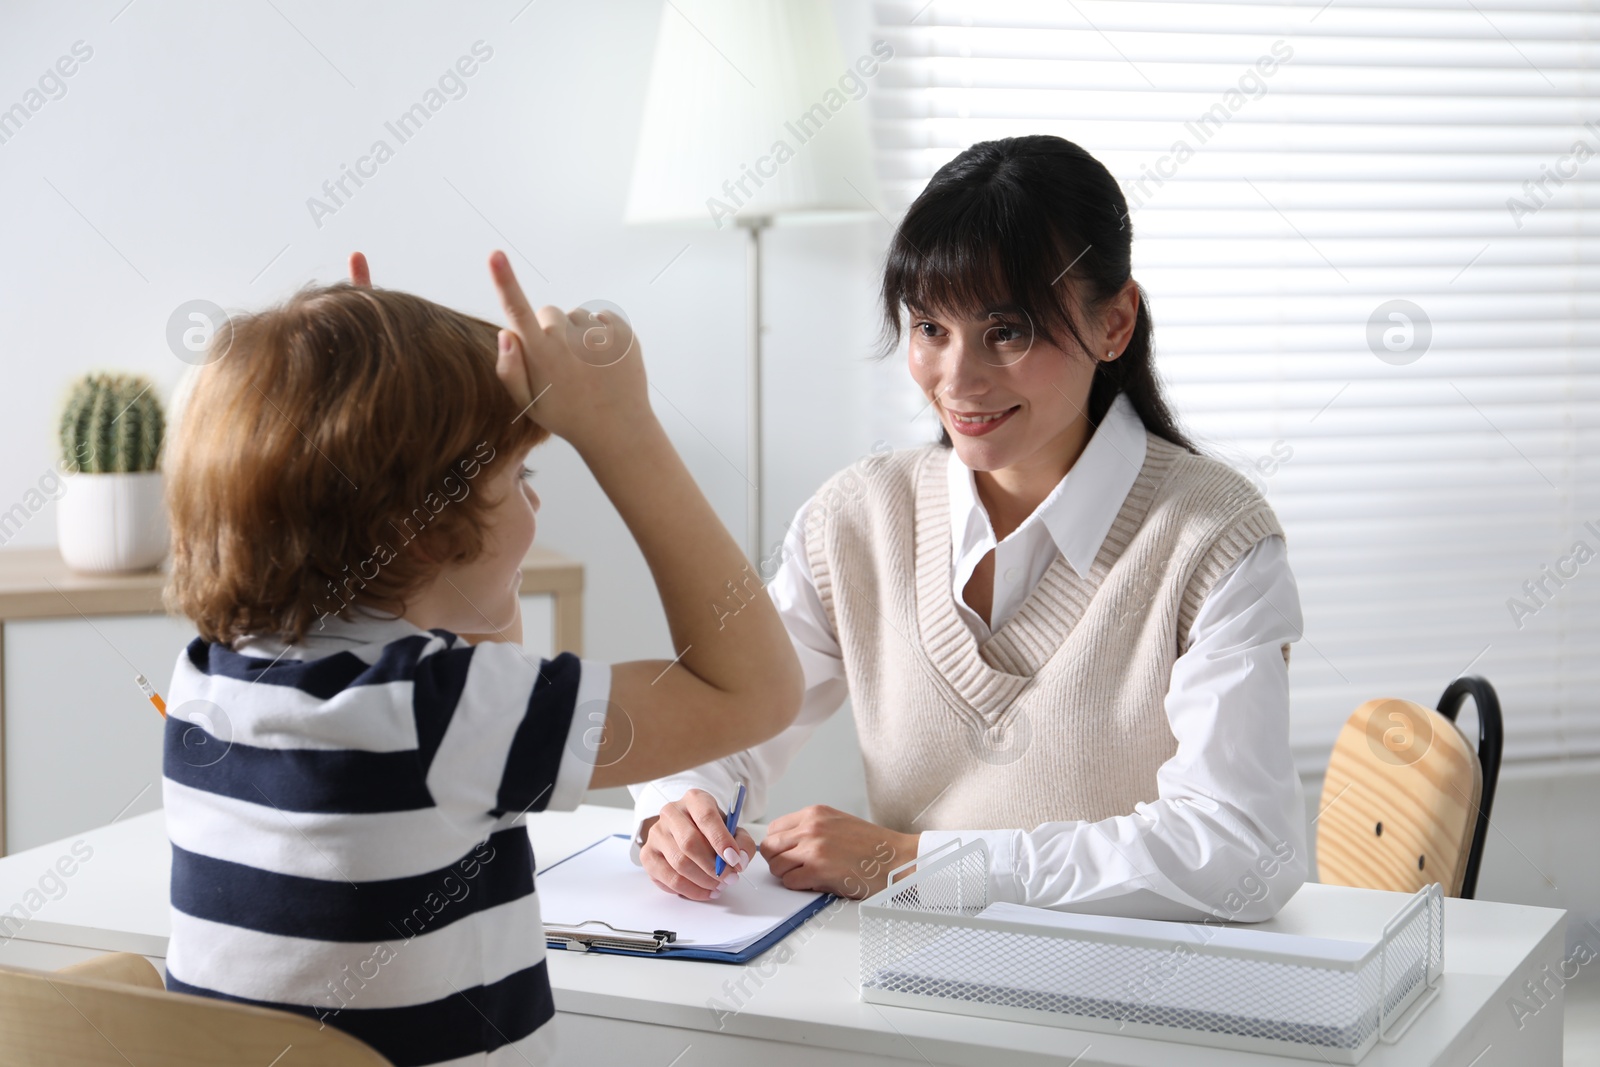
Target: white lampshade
[753, 89]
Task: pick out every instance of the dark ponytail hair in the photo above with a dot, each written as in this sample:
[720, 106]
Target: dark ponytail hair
[1000, 225]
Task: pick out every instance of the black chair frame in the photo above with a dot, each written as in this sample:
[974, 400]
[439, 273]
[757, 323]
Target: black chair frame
[1490, 738]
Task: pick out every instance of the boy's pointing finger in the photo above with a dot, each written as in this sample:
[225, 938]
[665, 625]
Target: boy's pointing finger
[531, 324]
[512, 298]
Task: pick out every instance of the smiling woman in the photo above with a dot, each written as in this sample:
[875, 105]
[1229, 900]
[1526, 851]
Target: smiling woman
[1009, 238]
[1063, 629]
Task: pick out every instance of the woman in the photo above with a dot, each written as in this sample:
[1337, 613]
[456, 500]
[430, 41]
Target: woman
[1062, 628]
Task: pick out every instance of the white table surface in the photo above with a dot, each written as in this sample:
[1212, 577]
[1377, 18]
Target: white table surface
[614, 1009]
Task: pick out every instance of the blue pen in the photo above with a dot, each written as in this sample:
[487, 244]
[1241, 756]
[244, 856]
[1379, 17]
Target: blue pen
[733, 824]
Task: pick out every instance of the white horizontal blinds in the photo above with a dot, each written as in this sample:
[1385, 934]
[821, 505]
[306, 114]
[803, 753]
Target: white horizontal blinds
[1373, 163]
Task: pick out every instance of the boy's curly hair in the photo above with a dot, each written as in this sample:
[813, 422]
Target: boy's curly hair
[324, 437]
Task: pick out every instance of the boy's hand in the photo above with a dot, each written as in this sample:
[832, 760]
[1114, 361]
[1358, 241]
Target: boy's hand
[359, 274]
[562, 369]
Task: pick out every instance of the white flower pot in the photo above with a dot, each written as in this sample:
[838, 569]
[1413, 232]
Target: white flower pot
[112, 522]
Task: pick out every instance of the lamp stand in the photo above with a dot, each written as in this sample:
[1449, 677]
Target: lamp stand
[753, 389]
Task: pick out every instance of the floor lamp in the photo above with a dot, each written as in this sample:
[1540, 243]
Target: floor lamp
[752, 118]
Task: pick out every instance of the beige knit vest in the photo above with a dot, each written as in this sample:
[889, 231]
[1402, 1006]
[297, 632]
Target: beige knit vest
[1059, 715]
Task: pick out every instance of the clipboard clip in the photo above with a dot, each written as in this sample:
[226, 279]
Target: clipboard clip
[572, 938]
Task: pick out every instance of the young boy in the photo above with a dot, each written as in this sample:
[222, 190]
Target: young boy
[346, 777]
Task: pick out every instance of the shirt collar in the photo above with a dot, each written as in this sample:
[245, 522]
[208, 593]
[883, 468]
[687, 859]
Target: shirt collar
[332, 633]
[1081, 508]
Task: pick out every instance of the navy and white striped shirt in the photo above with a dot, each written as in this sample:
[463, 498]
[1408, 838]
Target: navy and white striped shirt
[347, 826]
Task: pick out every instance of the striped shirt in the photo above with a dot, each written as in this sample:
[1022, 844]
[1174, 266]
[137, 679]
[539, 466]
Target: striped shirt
[347, 825]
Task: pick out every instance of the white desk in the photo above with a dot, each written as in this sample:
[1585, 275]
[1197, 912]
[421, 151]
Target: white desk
[628, 1011]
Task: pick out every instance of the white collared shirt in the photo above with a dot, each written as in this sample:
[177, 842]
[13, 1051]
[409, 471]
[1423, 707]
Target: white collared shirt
[1226, 837]
[1072, 521]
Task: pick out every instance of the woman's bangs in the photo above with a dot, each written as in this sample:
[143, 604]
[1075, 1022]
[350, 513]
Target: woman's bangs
[978, 260]
[952, 272]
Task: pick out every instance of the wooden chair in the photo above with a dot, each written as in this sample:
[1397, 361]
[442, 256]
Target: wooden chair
[114, 1010]
[1406, 800]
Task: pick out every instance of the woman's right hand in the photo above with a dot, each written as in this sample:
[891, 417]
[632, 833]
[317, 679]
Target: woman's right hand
[681, 846]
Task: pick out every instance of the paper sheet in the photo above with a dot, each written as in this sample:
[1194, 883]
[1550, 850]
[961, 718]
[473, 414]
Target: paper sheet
[602, 883]
[1312, 949]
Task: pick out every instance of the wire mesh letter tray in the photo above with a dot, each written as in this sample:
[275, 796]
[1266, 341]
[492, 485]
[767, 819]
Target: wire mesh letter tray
[923, 946]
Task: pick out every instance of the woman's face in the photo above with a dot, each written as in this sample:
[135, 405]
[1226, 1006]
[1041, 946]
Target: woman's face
[1005, 398]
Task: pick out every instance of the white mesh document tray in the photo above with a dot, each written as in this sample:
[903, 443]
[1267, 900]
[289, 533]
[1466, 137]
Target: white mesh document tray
[933, 940]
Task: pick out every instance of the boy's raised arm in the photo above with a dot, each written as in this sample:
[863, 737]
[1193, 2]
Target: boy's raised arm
[736, 681]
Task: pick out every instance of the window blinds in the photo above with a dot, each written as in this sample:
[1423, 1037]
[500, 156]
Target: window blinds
[1363, 236]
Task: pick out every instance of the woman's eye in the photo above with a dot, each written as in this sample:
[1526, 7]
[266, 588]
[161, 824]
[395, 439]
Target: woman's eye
[1004, 334]
[927, 329]
[528, 473]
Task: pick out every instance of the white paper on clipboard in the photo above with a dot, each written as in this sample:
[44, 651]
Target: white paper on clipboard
[602, 883]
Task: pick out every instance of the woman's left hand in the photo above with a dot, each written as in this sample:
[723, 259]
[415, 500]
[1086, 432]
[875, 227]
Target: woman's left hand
[822, 849]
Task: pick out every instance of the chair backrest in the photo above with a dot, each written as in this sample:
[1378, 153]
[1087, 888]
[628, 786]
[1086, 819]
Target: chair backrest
[1491, 740]
[114, 1011]
[1400, 801]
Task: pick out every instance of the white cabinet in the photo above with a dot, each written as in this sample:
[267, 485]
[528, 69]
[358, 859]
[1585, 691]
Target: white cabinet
[82, 744]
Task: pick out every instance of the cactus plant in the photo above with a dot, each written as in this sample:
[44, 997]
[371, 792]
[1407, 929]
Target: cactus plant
[113, 423]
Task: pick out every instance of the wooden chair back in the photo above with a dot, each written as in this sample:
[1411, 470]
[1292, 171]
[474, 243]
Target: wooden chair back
[1400, 801]
[114, 1010]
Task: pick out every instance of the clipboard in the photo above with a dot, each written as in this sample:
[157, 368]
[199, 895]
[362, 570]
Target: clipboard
[592, 934]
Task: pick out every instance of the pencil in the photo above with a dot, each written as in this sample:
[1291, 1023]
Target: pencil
[151, 694]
